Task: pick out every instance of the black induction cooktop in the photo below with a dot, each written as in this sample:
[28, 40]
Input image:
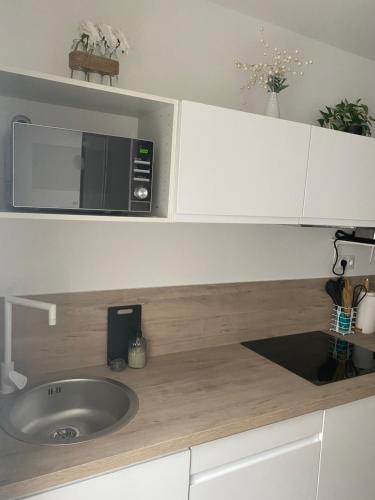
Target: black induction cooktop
[315, 356]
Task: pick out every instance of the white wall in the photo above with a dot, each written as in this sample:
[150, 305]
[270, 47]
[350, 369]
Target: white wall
[183, 48]
[50, 256]
[180, 49]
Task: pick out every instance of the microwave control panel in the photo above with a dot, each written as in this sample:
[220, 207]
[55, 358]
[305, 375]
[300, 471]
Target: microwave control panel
[141, 175]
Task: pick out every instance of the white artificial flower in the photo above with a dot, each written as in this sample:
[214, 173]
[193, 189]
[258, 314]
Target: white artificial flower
[107, 34]
[88, 28]
[123, 41]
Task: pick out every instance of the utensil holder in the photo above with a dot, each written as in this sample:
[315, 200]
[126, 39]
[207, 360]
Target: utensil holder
[343, 319]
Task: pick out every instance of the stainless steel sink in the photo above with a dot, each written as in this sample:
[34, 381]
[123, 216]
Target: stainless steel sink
[68, 411]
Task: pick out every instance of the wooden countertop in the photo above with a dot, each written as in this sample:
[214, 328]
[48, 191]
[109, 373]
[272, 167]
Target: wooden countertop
[184, 399]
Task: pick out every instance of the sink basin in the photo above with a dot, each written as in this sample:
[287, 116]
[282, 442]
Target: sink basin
[68, 411]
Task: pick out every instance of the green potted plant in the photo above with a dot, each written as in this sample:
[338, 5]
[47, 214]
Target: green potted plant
[349, 117]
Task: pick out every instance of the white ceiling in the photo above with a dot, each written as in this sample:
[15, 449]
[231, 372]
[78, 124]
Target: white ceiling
[346, 24]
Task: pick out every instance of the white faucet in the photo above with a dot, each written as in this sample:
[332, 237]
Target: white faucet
[10, 379]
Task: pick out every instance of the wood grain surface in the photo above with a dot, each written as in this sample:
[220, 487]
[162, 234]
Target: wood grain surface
[175, 319]
[79, 60]
[184, 399]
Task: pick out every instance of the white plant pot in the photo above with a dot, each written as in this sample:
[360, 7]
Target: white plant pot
[272, 107]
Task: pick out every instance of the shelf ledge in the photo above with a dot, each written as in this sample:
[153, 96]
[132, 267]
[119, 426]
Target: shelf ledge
[80, 217]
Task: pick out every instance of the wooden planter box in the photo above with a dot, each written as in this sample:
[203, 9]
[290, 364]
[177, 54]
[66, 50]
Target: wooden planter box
[79, 60]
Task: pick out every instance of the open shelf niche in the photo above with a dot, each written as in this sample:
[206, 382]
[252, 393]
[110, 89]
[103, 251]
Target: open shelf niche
[62, 102]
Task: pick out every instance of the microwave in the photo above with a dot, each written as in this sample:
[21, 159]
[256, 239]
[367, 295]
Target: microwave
[57, 169]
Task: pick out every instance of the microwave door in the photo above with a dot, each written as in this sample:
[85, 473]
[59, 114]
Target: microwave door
[93, 175]
[47, 167]
[118, 171]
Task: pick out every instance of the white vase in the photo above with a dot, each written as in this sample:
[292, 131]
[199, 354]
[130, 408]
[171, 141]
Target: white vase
[272, 107]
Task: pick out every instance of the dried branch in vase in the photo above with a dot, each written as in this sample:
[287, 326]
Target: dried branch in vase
[273, 75]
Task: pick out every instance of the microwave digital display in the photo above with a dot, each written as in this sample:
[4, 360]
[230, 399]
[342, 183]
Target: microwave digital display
[143, 151]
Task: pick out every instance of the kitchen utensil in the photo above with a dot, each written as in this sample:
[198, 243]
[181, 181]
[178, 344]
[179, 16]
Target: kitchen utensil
[347, 295]
[123, 324]
[359, 293]
[334, 290]
[343, 320]
[343, 315]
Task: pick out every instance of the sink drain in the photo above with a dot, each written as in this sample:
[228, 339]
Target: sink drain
[64, 433]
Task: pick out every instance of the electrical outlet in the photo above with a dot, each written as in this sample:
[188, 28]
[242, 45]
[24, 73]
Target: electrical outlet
[350, 259]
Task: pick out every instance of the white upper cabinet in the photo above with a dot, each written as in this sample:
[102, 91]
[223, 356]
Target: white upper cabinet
[340, 179]
[237, 167]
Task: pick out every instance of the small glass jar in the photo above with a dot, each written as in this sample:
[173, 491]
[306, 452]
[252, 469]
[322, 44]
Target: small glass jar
[137, 352]
[95, 76]
[79, 74]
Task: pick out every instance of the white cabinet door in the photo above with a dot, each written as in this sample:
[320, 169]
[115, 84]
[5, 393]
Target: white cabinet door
[165, 478]
[239, 166]
[347, 468]
[340, 179]
[277, 462]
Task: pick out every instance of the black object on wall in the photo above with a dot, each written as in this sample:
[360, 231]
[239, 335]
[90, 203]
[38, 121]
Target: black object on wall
[123, 324]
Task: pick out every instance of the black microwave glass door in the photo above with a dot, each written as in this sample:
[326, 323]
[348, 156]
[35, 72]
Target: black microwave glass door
[67, 169]
[46, 167]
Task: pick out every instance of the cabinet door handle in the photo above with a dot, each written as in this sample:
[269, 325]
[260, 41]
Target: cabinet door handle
[202, 477]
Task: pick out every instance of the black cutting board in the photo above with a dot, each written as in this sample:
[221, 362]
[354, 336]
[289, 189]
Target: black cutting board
[124, 322]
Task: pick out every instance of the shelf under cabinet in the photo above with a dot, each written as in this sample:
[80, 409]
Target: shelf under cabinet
[80, 217]
[53, 101]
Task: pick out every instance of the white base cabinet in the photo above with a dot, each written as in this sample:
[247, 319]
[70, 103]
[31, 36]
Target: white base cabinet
[165, 478]
[276, 462]
[304, 458]
[347, 468]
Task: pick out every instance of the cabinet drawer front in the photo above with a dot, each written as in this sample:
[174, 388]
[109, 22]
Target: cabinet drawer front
[340, 177]
[233, 163]
[348, 452]
[233, 448]
[286, 474]
[165, 478]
